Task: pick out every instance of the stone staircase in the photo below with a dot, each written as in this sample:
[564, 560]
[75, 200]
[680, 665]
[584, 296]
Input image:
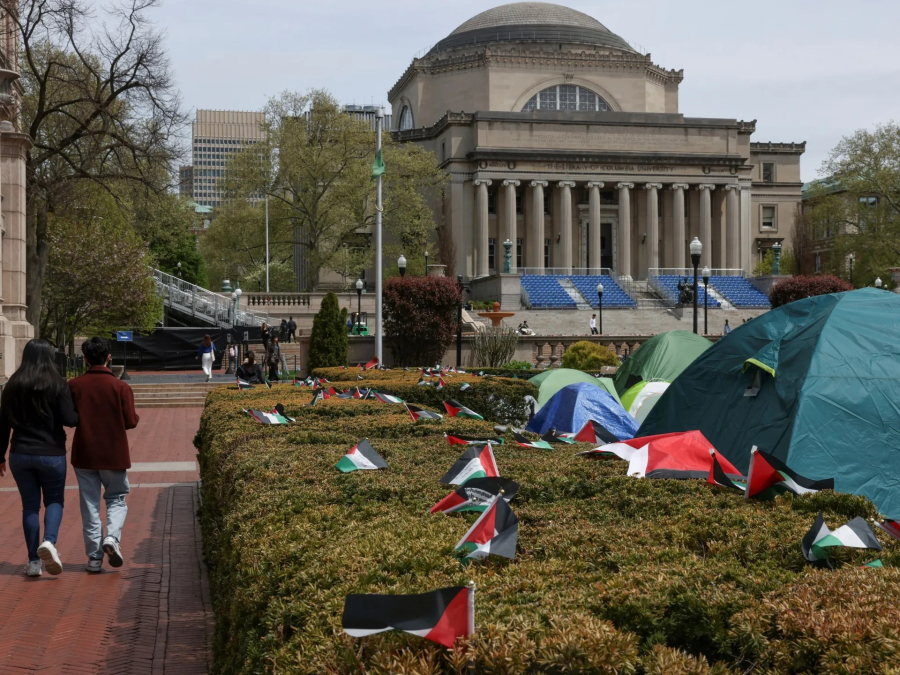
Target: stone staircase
[172, 395]
[574, 293]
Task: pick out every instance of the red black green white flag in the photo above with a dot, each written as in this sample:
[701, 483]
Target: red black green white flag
[464, 386]
[769, 476]
[440, 384]
[359, 377]
[476, 494]
[243, 384]
[362, 456]
[555, 437]
[418, 413]
[596, 434]
[525, 443]
[371, 364]
[892, 527]
[718, 476]
[441, 616]
[476, 462]
[875, 564]
[384, 397]
[273, 417]
[855, 534]
[457, 439]
[496, 532]
[457, 409]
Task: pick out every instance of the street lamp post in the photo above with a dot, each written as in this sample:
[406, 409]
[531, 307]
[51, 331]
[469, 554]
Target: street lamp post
[230, 370]
[459, 307]
[401, 263]
[696, 251]
[600, 305]
[179, 270]
[878, 283]
[359, 290]
[426, 263]
[851, 269]
[236, 296]
[706, 301]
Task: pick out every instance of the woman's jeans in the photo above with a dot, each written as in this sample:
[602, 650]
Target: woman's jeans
[36, 474]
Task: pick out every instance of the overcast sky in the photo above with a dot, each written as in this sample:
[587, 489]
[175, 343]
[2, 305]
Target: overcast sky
[807, 70]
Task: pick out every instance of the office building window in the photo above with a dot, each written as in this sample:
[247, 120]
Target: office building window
[520, 258]
[768, 218]
[492, 246]
[768, 172]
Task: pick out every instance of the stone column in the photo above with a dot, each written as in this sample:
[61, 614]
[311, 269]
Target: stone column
[565, 225]
[481, 238]
[652, 225]
[624, 257]
[595, 248]
[678, 260]
[706, 223]
[510, 229]
[732, 226]
[534, 245]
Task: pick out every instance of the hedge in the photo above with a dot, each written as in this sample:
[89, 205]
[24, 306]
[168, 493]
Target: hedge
[613, 574]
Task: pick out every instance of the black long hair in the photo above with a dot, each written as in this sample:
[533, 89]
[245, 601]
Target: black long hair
[30, 394]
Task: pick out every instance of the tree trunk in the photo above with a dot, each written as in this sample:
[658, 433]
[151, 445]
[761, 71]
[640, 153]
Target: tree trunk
[37, 253]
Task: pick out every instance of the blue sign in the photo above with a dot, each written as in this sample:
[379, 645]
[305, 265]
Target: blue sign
[124, 336]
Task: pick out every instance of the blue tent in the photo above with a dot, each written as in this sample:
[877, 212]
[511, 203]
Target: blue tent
[575, 405]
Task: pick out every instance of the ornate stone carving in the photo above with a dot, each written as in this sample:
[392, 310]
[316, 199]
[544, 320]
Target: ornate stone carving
[706, 186]
[595, 184]
[482, 181]
[508, 182]
[651, 186]
[627, 186]
[539, 183]
[736, 188]
[566, 183]
[680, 186]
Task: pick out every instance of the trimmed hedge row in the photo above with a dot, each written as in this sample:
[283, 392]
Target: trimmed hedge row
[612, 575]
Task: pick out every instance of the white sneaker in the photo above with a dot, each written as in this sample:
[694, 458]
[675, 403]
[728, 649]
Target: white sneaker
[94, 566]
[33, 568]
[113, 552]
[47, 553]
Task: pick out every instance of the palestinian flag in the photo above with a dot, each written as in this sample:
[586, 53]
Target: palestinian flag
[242, 385]
[855, 534]
[717, 475]
[427, 372]
[455, 439]
[440, 384]
[345, 394]
[343, 367]
[495, 532]
[272, 417]
[361, 456]
[423, 382]
[371, 364]
[892, 527]
[457, 409]
[356, 393]
[384, 397]
[464, 386]
[359, 377]
[525, 443]
[418, 413]
[596, 434]
[553, 437]
[769, 476]
[441, 616]
[476, 462]
[875, 564]
[475, 495]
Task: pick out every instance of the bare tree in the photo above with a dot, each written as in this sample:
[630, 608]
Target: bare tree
[803, 237]
[99, 102]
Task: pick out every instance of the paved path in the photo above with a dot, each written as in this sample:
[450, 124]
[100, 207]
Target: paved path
[150, 616]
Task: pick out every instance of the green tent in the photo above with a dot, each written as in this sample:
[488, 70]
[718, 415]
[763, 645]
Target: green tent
[815, 382]
[661, 358]
[551, 381]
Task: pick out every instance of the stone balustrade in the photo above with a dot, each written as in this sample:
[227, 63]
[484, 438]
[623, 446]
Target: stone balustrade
[299, 300]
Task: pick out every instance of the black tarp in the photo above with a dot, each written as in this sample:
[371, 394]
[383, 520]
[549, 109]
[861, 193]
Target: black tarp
[177, 348]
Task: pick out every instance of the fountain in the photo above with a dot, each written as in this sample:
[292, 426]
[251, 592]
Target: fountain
[496, 316]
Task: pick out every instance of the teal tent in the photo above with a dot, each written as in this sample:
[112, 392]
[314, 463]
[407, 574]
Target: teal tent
[815, 382]
[551, 381]
[661, 358]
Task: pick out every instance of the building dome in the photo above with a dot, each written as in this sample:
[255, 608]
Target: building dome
[532, 22]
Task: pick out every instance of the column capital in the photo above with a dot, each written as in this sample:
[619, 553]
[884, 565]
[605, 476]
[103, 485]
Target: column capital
[539, 183]
[595, 184]
[566, 184]
[706, 186]
[627, 186]
[482, 181]
[736, 188]
[510, 181]
[652, 186]
[680, 186]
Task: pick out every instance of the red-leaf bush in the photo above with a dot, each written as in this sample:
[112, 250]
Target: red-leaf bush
[797, 288]
[420, 318]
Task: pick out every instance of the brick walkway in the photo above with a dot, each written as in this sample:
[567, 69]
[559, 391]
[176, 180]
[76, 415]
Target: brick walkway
[151, 615]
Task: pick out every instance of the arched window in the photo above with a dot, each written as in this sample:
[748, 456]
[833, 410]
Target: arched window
[567, 97]
[406, 120]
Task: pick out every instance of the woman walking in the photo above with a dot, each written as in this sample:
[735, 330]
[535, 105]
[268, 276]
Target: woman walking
[35, 406]
[273, 358]
[207, 354]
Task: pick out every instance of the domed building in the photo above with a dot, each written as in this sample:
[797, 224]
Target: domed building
[561, 138]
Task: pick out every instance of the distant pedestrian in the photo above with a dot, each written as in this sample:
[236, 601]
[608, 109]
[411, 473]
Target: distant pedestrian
[207, 354]
[250, 371]
[266, 336]
[100, 452]
[594, 324]
[273, 358]
[727, 329]
[350, 319]
[35, 406]
[283, 330]
[292, 330]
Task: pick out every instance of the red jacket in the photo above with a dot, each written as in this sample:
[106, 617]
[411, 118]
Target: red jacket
[105, 408]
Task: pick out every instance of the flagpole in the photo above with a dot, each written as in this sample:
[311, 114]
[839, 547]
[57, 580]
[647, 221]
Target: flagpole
[379, 124]
[267, 243]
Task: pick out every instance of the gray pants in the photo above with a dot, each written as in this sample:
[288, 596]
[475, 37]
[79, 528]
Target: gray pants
[115, 487]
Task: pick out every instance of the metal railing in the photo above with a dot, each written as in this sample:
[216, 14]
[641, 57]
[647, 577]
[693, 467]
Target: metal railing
[203, 304]
[567, 272]
[689, 272]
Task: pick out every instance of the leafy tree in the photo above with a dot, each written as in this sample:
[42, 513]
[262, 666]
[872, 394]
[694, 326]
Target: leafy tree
[420, 318]
[787, 264]
[797, 288]
[316, 167]
[328, 344]
[585, 355]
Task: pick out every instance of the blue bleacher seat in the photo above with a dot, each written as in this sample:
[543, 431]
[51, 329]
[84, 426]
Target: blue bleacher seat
[546, 292]
[740, 292]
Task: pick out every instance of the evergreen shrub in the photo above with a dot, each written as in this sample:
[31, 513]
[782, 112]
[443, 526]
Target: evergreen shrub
[585, 355]
[328, 343]
[797, 288]
[420, 318]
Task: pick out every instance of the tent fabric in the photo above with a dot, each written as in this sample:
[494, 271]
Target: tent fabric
[830, 410]
[662, 357]
[575, 405]
[552, 381]
[678, 455]
[640, 399]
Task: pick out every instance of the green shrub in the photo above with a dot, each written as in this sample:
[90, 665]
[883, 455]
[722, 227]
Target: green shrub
[420, 318]
[612, 574]
[584, 355]
[517, 365]
[494, 345]
[328, 342]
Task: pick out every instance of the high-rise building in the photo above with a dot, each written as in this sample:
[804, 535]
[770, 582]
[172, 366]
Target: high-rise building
[217, 135]
[367, 113]
[186, 181]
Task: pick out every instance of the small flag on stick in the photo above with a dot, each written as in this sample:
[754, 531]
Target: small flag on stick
[362, 456]
[457, 409]
[892, 527]
[418, 413]
[495, 532]
[476, 462]
[769, 476]
[717, 475]
[525, 443]
[475, 495]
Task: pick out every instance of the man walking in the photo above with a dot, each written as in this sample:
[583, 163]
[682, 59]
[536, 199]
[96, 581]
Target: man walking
[292, 330]
[727, 327]
[100, 452]
[593, 324]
